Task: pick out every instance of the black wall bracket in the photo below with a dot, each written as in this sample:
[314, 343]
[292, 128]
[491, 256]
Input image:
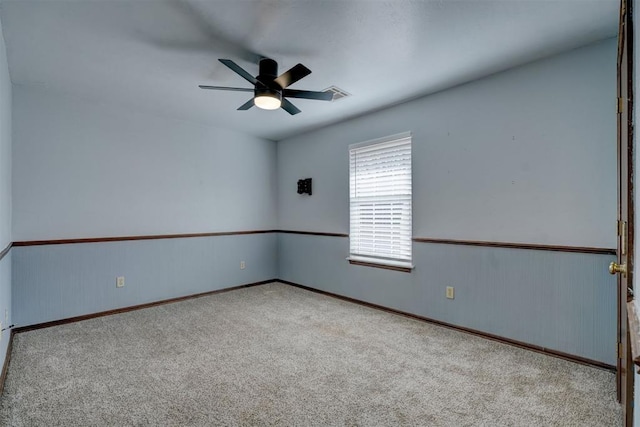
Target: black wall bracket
[304, 186]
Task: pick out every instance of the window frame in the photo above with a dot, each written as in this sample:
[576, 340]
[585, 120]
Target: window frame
[382, 261]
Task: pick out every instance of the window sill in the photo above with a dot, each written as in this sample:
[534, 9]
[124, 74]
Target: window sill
[390, 265]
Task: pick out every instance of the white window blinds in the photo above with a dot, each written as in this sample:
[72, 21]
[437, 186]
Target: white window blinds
[380, 200]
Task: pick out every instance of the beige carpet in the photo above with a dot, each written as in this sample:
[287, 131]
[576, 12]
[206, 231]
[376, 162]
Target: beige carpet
[279, 355]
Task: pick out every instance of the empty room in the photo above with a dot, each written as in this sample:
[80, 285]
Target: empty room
[298, 213]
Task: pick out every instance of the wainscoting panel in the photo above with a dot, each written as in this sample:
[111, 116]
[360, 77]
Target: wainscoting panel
[53, 282]
[5, 302]
[557, 300]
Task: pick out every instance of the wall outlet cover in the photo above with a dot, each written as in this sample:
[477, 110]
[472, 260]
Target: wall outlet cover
[120, 282]
[450, 292]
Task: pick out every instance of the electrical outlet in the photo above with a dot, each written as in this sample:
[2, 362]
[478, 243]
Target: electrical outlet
[450, 293]
[242, 265]
[120, 282]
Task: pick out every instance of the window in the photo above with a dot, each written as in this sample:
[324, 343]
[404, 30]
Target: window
[380, 202]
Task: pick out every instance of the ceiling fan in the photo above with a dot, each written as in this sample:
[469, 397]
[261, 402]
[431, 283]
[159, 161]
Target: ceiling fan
[270, 90]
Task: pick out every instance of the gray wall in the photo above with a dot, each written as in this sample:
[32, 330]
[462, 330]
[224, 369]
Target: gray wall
[521, 156]
[5, 196]
[558, 300]
[60, 281]
[85, 169]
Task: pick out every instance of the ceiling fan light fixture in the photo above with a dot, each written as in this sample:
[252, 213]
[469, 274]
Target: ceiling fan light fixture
[268, 99]
[267, 102]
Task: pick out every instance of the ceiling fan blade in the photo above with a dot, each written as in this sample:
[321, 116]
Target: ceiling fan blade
[296, 73]
[237, 89]
[239, 70]
[289, 107]
[246, 105]
[308, 94]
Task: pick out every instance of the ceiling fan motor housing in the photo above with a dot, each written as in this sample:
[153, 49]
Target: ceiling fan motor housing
[268, 72]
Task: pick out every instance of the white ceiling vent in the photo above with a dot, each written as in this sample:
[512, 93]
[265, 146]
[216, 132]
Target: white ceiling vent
[337, 92]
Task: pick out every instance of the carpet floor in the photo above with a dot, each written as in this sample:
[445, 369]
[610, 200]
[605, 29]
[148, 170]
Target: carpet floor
[276, 355]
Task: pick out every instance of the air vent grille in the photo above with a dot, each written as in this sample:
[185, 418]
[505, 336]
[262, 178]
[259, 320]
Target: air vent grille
[337, 92]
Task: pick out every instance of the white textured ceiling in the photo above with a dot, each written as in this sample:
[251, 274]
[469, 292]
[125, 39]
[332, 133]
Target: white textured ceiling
[153, 54]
